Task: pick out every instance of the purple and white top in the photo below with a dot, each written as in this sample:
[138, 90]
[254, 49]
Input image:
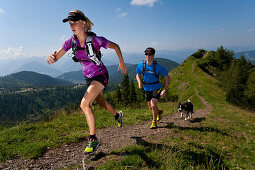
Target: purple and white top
[89, 69]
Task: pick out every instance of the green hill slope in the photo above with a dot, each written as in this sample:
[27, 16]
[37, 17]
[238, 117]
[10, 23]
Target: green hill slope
[29, 78]
[224, 139]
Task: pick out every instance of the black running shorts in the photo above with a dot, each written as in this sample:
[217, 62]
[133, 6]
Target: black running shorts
[101, 78]
[152, 94]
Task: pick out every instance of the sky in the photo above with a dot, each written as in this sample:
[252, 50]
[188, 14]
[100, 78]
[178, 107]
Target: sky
[35, 28]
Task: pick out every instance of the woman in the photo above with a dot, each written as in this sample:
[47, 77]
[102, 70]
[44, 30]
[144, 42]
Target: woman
[95, 73]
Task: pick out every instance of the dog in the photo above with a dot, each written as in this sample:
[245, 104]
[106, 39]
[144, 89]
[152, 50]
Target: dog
[186, 109]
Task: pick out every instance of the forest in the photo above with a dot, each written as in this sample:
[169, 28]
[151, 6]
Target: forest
[237, 75]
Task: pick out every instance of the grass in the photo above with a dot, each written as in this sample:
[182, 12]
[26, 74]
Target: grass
[32, 140]
[223, 140]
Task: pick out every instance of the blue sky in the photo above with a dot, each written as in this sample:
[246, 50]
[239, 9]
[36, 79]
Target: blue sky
[34, 27]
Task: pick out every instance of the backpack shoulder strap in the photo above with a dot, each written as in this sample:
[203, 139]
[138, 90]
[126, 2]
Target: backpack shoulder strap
[92, 53]
[144, 65]
[154, 68]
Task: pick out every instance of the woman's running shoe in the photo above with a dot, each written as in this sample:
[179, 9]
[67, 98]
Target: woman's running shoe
[92, 146]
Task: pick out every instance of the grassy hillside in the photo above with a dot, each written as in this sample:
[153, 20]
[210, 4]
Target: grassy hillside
[223, 140]
[30, 79]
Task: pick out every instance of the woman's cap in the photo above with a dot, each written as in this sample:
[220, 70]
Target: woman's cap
[150, 51]
[74, 16]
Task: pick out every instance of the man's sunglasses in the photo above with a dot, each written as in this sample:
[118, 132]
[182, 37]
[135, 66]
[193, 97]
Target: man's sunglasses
[148, 54]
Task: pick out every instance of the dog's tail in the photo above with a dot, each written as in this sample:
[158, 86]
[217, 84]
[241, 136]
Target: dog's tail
[189, 101]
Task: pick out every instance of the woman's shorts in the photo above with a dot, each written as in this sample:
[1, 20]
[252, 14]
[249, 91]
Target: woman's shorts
[152, 94]
[101, 78]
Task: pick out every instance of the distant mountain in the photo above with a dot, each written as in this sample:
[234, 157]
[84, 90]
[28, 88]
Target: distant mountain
[249, 55]
[30, 79]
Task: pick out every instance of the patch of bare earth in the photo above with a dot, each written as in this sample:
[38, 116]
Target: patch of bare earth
[110, 139]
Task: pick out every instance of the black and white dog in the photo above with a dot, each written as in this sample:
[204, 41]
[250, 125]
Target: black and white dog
[186, 109]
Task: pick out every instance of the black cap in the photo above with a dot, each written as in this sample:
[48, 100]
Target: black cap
[73, 16]
[150, 51]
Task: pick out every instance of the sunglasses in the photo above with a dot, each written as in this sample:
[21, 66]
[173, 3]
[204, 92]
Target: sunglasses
[149, 54]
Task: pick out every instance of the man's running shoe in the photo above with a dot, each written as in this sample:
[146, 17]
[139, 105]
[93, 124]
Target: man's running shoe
[120, 119]
[159, 115]
[92, 146]
[153, 125]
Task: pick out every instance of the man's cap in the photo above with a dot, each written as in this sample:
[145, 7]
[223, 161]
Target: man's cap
[150, 51]
[74, 16]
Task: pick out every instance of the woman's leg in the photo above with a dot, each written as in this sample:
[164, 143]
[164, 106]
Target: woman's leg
[103, 103]
[91, 94]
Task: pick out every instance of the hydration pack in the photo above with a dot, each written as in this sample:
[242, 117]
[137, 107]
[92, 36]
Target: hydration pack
[93, 54]
[154, 71]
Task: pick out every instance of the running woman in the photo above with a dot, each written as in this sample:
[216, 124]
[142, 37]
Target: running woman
[95, 72]
[151, 70]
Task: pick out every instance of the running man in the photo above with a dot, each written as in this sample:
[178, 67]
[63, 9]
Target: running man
[151, 70]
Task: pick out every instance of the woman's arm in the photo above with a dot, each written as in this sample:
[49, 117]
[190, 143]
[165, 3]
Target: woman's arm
[122, 65]
[52, 58]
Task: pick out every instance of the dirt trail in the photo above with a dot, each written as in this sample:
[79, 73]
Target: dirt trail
[110, 138]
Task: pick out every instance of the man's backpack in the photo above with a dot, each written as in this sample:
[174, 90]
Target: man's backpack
[154, 71]
[92, 53]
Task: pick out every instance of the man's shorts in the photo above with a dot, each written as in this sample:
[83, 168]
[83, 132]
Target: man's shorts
[152, 94]
[102, 78]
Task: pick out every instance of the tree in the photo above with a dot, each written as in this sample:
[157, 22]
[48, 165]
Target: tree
[250, 90]
[224, 58]
[125, 90]
[132, 94]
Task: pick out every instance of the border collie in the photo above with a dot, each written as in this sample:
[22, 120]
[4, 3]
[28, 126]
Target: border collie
[186, 110]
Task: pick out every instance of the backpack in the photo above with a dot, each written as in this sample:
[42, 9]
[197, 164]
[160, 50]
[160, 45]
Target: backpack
[93, 54]
[154, 71]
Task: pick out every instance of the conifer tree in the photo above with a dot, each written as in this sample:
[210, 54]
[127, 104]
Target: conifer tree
[118, 95]
[132, 94]
[125, 90]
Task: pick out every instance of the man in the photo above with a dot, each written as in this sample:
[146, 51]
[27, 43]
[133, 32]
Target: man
[151, 70]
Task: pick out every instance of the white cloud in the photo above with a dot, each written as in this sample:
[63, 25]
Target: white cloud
[1, 11]
[13, 53]
[123, 14]
[148, 3]
[251, 29]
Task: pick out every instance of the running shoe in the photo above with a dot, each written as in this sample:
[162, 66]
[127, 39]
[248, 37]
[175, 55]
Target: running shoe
[120, 119]
[92, 146]
[159, 115]
[153, 125]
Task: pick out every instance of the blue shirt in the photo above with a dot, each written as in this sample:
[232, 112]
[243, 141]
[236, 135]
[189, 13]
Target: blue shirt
[150, 77]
